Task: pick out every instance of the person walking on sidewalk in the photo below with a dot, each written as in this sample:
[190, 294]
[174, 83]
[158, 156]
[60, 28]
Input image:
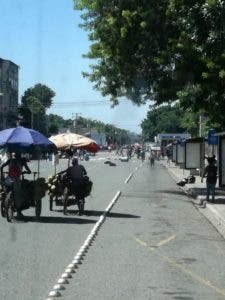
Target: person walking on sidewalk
[169, 155]
[210, 172]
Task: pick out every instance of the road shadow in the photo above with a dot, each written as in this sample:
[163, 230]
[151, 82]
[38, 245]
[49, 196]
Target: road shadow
[179, 295]
[174, 192]
[202, 191]
[135, 195]
[198, 191]
[219, 200]
[56, 220]
[98, 213]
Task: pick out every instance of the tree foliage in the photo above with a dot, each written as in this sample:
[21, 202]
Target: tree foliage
[163, 50]
[125, 36]
[174, 119]
[164, 119]
[33, 107]
[55, 123]
[113, 134]
[199, 51]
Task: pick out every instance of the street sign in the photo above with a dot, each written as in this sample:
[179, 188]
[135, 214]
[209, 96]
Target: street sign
[212, 139]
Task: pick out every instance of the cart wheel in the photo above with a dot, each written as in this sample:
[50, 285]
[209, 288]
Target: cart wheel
[9, 207]
[51, 203]
[38, 206]
[3, 208]
[65, 198]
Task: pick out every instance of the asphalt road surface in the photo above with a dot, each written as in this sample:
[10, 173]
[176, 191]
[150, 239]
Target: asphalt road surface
[153, 244]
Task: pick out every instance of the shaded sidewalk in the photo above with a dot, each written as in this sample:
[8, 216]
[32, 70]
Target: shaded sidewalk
[214, 212]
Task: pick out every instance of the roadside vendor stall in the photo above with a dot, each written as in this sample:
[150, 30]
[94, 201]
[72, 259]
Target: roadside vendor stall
[23, 140]
[59, 188]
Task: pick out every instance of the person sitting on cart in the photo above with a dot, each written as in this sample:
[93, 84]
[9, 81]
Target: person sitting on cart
[76, 174]
[15, 169]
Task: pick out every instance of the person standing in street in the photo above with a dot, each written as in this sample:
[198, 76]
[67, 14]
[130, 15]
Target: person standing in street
[169, 155]
[152, 158]
[210, 172]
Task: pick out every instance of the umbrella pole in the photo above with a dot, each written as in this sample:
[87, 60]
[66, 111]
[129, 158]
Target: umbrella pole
[38, 167]
[55, 170]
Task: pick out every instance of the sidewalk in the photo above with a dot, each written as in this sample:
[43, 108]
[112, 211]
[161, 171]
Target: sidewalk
[214, 212]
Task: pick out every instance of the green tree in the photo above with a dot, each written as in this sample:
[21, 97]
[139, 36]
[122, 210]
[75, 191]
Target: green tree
[60, 122]
[164, 50]
[164, 119]
[190, 122]
[199, 55]
[33, 107]
[53, 129]
[126, 38]
[113, 133]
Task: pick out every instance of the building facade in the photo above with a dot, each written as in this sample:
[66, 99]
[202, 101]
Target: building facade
[8, 93]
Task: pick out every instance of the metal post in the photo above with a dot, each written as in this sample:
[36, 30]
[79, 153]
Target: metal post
[75, 121]
[213, 149]
[200, 125]
[38, 166]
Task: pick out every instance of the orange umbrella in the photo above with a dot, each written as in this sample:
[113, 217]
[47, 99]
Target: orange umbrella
[74, 141]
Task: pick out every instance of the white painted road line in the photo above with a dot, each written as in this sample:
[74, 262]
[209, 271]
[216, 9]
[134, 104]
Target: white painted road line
[64, 279]
[128, 178]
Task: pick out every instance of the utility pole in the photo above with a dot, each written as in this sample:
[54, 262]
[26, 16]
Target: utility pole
[75, 120]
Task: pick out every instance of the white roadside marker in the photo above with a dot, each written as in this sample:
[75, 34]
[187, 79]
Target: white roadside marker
[54, 294]
[76, 262]
[63, 281]
[82, 251]
[66, 275]
[69, 270]
[72, 266]
[58, 287]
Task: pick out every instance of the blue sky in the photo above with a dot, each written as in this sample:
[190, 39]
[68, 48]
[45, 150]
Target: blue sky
[43, 38]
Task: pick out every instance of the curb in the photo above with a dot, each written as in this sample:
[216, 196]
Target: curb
[209, 212]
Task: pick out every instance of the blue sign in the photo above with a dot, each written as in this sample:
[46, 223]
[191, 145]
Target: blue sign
[212, 139]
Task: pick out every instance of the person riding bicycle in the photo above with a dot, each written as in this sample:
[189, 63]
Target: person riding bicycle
[15, 169]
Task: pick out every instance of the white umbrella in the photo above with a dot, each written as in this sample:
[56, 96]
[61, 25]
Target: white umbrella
[74, 141]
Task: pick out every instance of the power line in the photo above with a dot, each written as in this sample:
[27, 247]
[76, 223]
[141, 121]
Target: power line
[84, 102]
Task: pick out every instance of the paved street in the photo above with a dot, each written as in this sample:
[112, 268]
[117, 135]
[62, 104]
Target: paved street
[154, 244]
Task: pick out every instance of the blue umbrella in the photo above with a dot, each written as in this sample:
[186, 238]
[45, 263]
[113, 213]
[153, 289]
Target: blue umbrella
[24, 138]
